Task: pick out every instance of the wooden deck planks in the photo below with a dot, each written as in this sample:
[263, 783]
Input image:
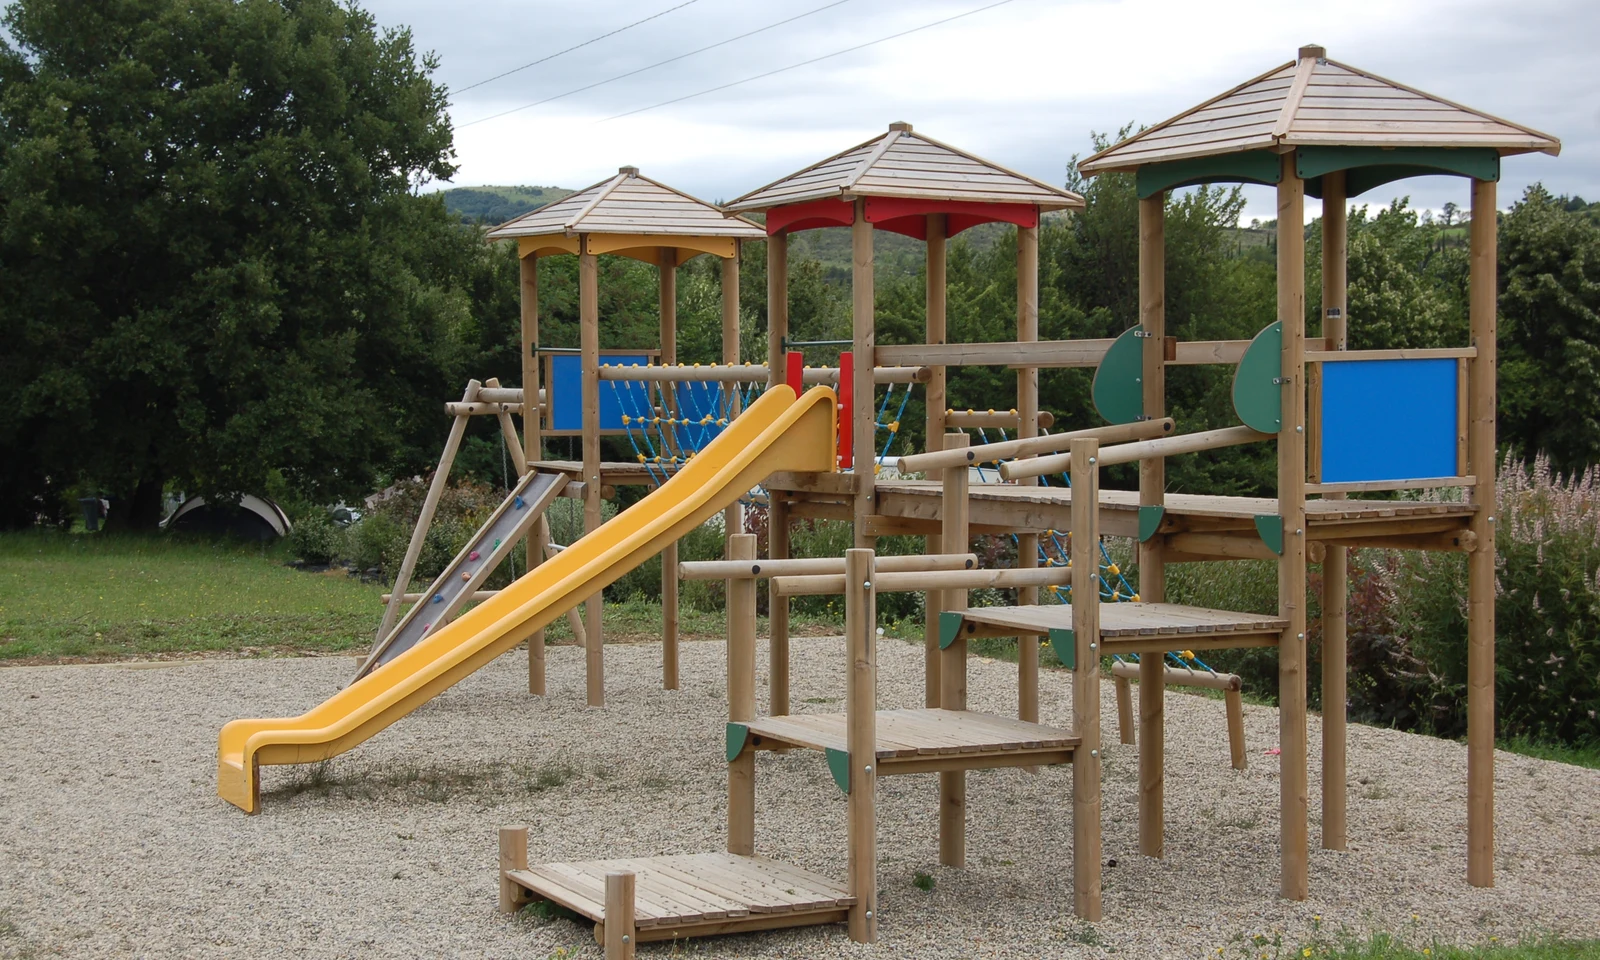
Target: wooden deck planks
[1130, 619]
[920, 733]
[691, 889]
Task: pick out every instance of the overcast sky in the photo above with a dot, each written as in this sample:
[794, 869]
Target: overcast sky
[1022, 84]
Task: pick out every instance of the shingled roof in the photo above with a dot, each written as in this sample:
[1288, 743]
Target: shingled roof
[904, 164]
[1314, 101]
[631, 204]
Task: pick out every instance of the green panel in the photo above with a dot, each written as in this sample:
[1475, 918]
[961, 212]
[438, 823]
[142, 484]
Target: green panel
[1118, 381]
[1269, 527]
[1066, 647]
[949, 627]
[1257, 390]
[839, 766]
[1370, 167]
[737, 734]
[1150, 521]
[1255, 166]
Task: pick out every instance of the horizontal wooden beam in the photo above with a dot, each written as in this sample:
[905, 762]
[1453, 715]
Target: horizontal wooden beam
[992, 419]
[1031, 446]
[1438, 353]
[1181, 676]
[1462, 541]
[1231, 546]
[747, 373]
[1370, 486]
[804, 566]
[1140, 450]
[1057, 353]
[920, 582]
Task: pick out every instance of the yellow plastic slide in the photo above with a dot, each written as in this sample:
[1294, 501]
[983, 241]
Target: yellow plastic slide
[778, 432]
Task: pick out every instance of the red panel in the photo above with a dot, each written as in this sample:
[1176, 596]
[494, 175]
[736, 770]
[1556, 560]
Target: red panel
[794, 371]
[810, 215]
[845, 432]
[909, 217]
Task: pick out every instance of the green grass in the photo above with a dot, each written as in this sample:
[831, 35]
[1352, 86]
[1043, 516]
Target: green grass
[1384, 946]
[1586, 755]
[95, 597]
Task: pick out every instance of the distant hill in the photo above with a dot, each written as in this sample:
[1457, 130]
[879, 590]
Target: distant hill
[496, 205]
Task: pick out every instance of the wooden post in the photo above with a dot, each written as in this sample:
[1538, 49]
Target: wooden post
[1334, 588]
[513, 856]
[1125, 710]
[1086, 680]
[1152, 492]
[619, 924]
[863, 389]
[934, 394]
[1482, 290]
[733, 517]
[742, 697]
[777, 508]
[430, 503]
[1294, 881]
[1233, 705]
[668, 268]
[589, 341]
[953, 664]
[532, 445]
[861, 705]
[1028, 426]
[508, 433]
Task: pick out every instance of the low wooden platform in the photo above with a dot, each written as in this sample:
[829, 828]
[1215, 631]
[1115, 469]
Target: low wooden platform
[1129, 627]
[921, 741]
[691, 895]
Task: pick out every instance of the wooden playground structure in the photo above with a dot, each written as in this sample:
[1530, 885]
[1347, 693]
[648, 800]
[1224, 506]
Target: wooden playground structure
[1308, 127]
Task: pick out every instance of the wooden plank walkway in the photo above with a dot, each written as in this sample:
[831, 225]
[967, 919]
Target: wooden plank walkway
[923, 740]
[694, 894]
[1134, 627]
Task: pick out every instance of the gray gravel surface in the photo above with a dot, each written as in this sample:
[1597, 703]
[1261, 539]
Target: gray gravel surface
[113, 842]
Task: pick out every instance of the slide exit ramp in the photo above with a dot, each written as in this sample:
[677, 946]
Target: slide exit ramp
[464, 575]
[777, 432]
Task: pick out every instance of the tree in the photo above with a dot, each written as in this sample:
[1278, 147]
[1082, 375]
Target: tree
[216, 270]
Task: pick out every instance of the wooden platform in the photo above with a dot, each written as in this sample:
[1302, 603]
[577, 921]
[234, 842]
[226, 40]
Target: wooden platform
[692, 895]
[923, 741]
[1131, 627]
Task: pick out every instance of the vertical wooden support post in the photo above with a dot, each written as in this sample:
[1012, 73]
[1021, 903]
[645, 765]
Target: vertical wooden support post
[513, 856]
[1482, 291]
[861, 736]
[1233, 704]
[668, 268]
[508, 433]
[1334, 588]
[1028, 426]
[620, 934]
[532, 443]
[430, 504]
[733, 517]
[1294, 881]
[1152, 492]
[777, 508]
[742, 697]
[1124, 710]
[1086, 679]
[935, 396]
[589, 342]
[864, 337]
[953, 664]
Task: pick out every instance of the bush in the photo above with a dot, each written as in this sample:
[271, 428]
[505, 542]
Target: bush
[316, 538]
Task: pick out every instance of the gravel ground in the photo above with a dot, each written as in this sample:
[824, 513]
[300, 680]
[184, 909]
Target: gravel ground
[113, 843]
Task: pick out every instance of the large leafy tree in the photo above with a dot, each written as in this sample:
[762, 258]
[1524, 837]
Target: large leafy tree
[216, 269]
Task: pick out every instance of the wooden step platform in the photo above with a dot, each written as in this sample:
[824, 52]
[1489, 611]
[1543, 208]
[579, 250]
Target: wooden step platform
[1126, 627]
[916, 741]
[690, 895]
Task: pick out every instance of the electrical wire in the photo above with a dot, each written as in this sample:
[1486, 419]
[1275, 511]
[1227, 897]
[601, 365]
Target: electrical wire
[807, 63]
[659, 63]
[579, 46]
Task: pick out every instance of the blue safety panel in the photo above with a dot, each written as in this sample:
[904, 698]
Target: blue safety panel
[566, 391]
[1388, 420]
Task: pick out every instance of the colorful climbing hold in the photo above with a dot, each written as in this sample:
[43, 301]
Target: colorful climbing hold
[438, 598]
[473, 555]
[497, 542]
[465, 577]
[518, 502]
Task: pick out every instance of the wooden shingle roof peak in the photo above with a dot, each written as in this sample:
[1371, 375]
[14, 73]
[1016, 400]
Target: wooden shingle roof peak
[629, 203]
[1314, 101]
[907, 164]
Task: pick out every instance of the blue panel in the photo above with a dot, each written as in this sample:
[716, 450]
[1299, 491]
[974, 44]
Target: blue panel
[566, 392]
[1388, 420]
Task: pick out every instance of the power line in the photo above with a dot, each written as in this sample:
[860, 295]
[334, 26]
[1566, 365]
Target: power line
[660, 63]
[585, 43]
[807, 63]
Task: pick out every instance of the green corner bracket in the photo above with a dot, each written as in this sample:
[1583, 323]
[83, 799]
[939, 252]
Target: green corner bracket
[949, 627]
[839, 766]
[1065, 645]
[738, 734]
[1269, 527]
[1118, 388]
[1258, 381]
[1150, 521]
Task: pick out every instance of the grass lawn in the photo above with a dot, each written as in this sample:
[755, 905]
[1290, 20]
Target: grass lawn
[66, 598]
